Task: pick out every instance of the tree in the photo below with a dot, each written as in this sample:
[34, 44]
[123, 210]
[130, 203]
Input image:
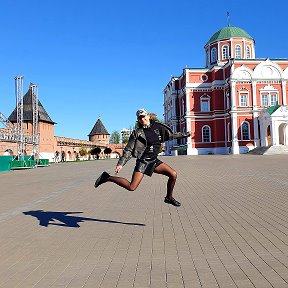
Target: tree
[126, 134]
[107, 151]
[115, 138]
[83, 152]
[125, 140]
[95, 151]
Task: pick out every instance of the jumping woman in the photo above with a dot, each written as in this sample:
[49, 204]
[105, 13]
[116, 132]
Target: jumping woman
[144, 144]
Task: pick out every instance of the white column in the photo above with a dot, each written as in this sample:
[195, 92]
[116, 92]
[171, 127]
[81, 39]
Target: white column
[284, 94]
[285, 136]
[188, 121]
[256, 131]
[173, 115]
[173, 112]
[255, 115]
[254, 94]
[253, 54]
[262, 133]
[235, 143]
[274, 133]
[219, 53]
[234, 125]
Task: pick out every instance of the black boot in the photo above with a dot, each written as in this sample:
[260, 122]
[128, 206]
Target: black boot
[172, 201]
[101, 179]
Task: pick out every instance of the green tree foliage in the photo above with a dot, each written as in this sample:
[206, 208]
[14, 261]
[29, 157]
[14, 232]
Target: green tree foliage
[126, 134]
[95, 151]
[83, 152]
[125, 140]
[114, 138]
[107, 150]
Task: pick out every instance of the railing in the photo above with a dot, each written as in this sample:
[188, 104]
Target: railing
[15, 137]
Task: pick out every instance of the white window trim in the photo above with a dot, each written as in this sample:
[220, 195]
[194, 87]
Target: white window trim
[270, 98]
[269, 90]
[244, 92]
[261, 99]
[226, 47]
[240, 50]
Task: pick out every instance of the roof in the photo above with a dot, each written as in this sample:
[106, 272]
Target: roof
[272, 109]
[28, 112]
[229, 32]
[98, 129]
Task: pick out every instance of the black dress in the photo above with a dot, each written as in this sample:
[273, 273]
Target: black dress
[149, 161]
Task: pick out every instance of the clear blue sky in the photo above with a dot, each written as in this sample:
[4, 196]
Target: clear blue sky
[95, 58]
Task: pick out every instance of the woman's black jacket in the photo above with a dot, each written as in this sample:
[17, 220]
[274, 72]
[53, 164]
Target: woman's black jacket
[137, 141]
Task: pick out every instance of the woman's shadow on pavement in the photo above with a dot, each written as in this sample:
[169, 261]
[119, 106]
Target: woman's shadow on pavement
[49, 217]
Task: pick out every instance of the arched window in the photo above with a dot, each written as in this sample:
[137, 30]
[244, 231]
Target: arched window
[225, 52]
[205, 103]
[245, 131]
[238, 52]
[8, 152]
[206, 134]
[213, 55]
[248, 52]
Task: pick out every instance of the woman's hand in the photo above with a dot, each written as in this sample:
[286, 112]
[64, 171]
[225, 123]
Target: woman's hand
[188, 134]
[118, 168]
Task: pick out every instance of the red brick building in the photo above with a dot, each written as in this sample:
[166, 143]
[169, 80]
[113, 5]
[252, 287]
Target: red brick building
[224, 104]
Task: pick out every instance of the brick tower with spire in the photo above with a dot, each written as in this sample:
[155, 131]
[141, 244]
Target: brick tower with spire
[99, 134]
[45, 124]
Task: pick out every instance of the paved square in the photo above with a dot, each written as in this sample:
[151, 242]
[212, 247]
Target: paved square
[56, 230]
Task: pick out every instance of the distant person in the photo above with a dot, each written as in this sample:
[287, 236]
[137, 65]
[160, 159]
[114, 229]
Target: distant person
[56, 157]
[144, 144]
[62, 156]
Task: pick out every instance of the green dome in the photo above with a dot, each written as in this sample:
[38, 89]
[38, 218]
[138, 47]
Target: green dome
[229, 32]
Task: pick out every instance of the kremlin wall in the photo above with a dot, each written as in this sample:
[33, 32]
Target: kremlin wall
[51, 145]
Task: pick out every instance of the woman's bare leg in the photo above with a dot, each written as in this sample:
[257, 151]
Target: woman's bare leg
[166, 170]
[131, 186]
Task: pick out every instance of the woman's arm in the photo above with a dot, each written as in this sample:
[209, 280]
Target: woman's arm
[179, 135]
[169, 135]
[127, 152]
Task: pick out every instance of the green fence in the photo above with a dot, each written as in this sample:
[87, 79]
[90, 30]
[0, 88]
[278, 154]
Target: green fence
[42, 162]
[5, 163]
[20, 164]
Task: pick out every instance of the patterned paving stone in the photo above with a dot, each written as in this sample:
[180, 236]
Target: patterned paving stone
[57, 230]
